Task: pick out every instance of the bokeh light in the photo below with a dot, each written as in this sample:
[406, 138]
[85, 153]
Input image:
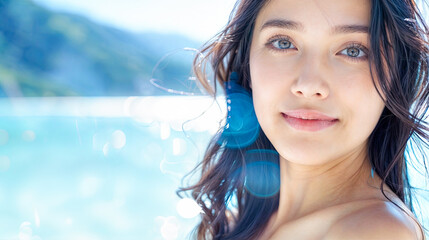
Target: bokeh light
[69, 221]
[188, 208]
[179, 146]
[118, 139]
[262, 173]
[169, 227]
[106, 149]
[242, 126]
[28, 136]
[165, 131]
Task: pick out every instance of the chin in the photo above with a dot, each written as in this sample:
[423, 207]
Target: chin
[305, 157]
[306, 161]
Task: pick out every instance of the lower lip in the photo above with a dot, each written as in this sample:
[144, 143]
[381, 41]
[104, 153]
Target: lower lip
[313, 125]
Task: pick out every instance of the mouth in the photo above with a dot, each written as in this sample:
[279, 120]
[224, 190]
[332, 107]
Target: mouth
[308, 120]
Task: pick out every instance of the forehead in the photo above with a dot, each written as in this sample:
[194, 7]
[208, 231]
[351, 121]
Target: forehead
[317, 14]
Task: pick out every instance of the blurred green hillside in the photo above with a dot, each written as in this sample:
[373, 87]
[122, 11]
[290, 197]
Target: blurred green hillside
[46, 53]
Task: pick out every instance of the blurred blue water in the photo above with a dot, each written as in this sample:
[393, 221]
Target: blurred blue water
[93, 177]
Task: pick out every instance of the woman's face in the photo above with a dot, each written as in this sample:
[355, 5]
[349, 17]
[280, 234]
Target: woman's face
[310, 78]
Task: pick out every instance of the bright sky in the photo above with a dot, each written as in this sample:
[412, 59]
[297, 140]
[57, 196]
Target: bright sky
[197, 19]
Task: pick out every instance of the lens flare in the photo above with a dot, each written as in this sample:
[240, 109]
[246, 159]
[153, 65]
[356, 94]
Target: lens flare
[262, 177]
[242, 127]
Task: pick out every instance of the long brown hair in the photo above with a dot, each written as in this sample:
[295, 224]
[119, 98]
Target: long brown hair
[399, 56]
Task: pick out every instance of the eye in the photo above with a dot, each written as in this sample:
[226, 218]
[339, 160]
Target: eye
[280, 43]
[355, 52]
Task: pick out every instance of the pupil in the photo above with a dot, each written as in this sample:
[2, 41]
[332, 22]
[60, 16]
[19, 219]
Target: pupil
[284, 44]
[353, 52]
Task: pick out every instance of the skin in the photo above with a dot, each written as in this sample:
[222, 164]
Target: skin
[311, 66]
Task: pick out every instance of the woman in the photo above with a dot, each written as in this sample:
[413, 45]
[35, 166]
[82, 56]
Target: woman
[338, 88]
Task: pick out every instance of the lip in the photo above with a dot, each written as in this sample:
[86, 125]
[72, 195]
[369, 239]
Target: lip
[308, 120]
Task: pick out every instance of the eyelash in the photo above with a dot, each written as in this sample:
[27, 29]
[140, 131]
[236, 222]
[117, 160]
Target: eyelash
[358, 46]
[276, 38]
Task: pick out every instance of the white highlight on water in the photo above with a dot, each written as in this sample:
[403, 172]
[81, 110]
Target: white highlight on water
[192, 113]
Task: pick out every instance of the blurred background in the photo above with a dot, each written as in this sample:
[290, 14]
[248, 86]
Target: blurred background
[101, 48]
[101, 117]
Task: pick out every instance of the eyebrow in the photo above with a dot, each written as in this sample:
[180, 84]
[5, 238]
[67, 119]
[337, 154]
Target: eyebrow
[291, 25]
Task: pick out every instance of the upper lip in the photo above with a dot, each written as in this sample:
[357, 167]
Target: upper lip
[309, 115]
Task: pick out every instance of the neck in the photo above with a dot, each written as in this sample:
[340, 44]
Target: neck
[306, 189]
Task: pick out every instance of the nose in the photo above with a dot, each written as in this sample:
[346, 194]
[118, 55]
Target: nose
[310, 83]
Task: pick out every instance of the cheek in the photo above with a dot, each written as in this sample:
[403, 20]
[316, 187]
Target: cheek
[360, 102]
[270, 74]
[267, 84]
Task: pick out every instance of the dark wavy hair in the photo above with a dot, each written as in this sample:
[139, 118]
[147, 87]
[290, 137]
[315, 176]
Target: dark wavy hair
[399, 59]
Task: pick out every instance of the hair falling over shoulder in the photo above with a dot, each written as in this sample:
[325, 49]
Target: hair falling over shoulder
[399, 60]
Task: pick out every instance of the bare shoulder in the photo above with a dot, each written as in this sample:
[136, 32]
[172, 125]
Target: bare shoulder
[382, 220]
